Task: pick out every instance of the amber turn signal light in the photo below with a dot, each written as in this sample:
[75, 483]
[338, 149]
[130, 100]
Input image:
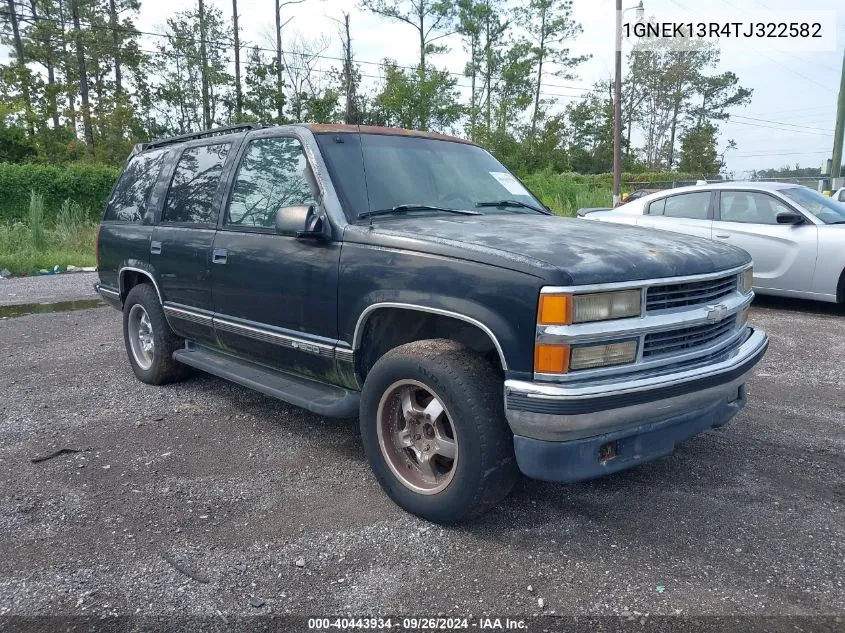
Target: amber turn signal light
[555, 310]
[551, 359]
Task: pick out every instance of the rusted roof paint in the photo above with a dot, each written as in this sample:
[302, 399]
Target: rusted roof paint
[318, 128]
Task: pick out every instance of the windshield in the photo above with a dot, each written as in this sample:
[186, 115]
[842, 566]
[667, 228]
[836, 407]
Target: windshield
[825, 209]
[375, 172]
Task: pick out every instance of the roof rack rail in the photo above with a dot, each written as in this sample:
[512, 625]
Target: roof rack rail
[160, 142]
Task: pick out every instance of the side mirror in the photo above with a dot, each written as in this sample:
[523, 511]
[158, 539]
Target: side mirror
[789, 217]
[303, 221]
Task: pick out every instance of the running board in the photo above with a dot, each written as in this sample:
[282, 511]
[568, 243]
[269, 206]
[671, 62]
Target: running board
[317, 397]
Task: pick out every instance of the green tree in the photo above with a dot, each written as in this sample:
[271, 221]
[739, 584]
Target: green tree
[549, 26]
[698, 150]
[185, 72]
[407, 101]
[261, 99]
[432, 19]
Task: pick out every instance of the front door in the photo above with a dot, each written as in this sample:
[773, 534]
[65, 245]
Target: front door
[180, 250]
[689, 213]
[275, 296]
[784, 254]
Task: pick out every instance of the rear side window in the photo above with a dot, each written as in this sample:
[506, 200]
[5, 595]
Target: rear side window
[191, 196]
[693, 206]
[274, 174]
[131, 194]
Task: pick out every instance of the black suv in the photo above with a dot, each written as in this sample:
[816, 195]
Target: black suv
[409, 279]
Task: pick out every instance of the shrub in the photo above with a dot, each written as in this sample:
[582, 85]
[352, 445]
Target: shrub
[86, 185]
[36, 221]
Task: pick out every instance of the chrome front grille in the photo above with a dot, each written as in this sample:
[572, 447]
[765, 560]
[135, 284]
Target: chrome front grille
[685, 339]
[691, 293]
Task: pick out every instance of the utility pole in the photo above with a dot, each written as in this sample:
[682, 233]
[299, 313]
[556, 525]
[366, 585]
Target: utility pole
[206, 106]
[239, 100]
[836, 163]
[83, 77]
[280, 115]
[617, 110]
[348, 71]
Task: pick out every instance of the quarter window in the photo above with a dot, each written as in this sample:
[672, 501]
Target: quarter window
[274, 174]
[749, 208]
[131, 195]
[656, 207]
[191, 195]
[692, 206]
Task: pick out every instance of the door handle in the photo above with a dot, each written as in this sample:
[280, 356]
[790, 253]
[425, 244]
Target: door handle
[219, 256]
[155, 248]
[722, 236]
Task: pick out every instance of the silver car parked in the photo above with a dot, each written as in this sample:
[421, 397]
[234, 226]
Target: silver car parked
[795, 235]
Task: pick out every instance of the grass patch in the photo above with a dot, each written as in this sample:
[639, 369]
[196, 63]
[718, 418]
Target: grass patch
[564, 196]
[33, 246]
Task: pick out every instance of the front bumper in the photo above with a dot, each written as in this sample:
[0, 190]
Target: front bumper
[561, 429]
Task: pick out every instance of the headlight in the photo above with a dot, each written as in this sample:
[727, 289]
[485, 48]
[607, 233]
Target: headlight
[746, 280]
[600, 306]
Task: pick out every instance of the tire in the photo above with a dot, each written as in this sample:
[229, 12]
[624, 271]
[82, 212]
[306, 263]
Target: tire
[155, 365]
[469, 393]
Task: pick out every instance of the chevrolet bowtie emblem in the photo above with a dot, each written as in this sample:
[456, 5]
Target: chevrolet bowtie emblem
[716, 313]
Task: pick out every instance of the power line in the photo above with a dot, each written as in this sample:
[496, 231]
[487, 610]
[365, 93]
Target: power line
[771, 59]
[764, 154]
[739, 116]
[226, 45]
[771, 127]
[245, 64]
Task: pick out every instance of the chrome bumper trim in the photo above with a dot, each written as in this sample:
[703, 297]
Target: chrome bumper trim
[557, 412]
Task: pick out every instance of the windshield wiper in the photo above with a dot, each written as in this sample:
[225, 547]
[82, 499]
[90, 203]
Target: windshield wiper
[404, 208]
[512, 203]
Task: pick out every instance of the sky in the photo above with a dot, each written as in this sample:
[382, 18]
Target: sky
[790, 118]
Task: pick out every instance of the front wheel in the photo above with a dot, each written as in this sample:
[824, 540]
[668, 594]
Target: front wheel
[434, 431]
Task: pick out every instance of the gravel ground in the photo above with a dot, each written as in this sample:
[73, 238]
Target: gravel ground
[47, 288]
[274, 510]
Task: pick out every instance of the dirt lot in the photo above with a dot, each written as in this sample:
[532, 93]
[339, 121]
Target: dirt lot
[274, 510]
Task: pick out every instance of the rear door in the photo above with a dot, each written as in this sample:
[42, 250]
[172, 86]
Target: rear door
[784, 254]
[180, 250]
[690, 213]
[275, 296]
[127, 225]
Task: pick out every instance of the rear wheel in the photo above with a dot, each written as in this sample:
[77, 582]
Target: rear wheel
[434, 431]
[150, 342]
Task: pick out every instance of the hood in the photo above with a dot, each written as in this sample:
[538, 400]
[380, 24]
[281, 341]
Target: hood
[564, 251]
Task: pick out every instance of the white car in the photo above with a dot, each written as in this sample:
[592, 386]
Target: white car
[838, 195]
[796, 236]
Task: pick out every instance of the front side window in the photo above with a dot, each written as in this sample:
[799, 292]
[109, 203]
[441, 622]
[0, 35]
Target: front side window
[274, 174]
[194, 185]
[825, 209]
[692, 206]
[131, 195]
[749, 208]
